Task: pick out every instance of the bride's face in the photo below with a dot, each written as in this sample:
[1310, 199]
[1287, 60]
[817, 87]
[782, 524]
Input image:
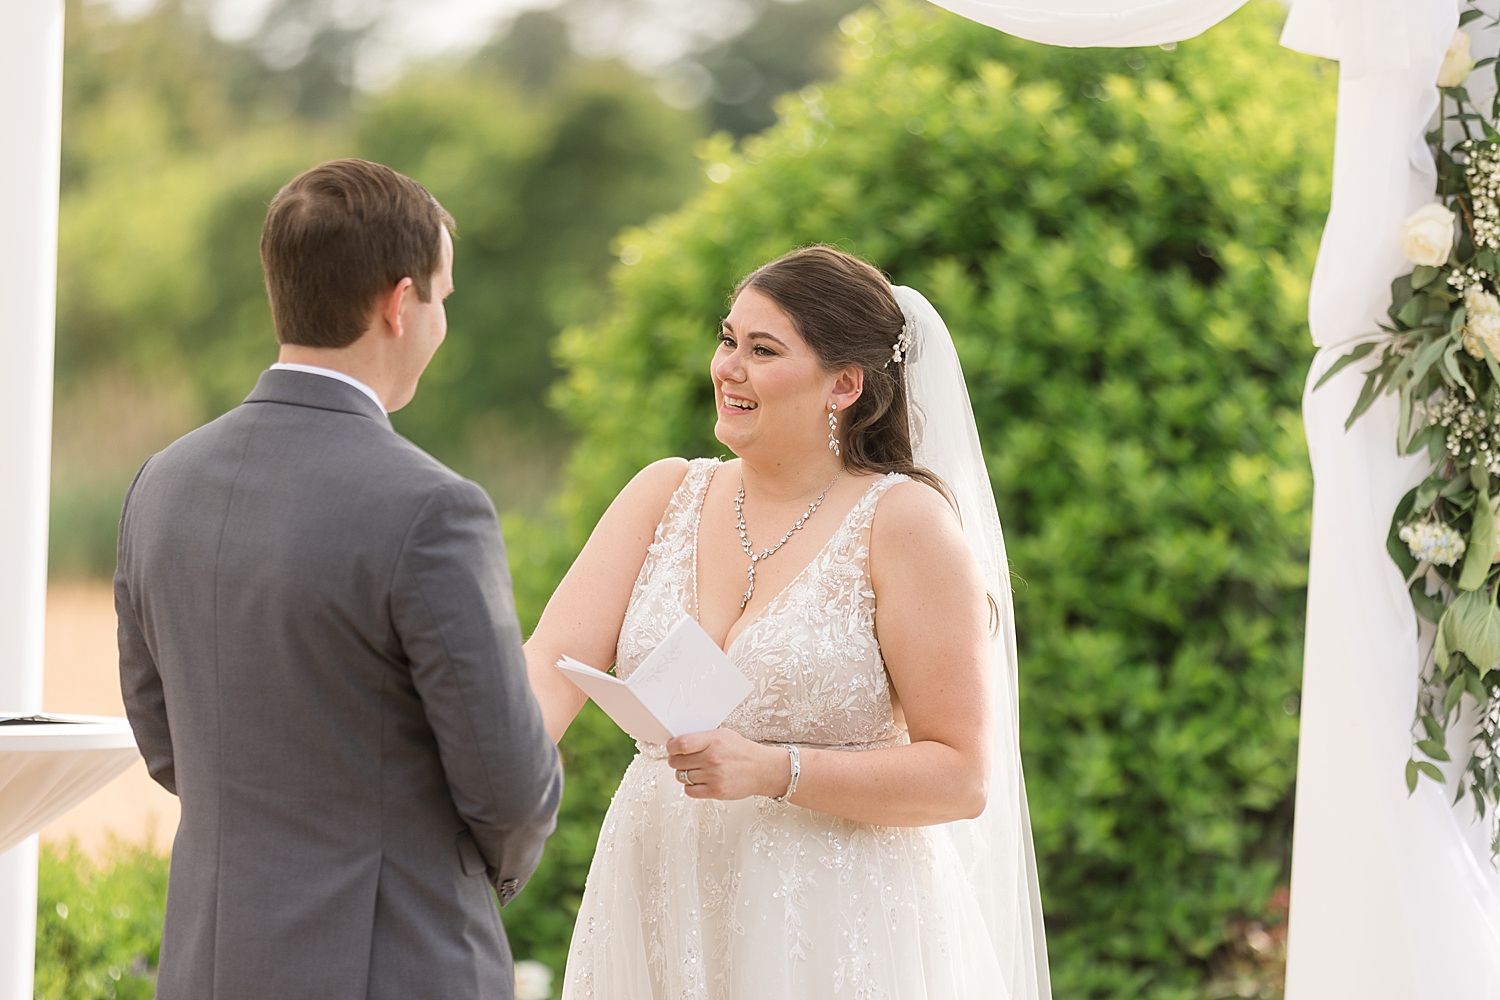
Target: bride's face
[771, 390]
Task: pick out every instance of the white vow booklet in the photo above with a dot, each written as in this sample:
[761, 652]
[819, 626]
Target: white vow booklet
[687, 685]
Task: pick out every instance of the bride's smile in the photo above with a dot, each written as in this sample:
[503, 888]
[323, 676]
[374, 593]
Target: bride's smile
[771, 390]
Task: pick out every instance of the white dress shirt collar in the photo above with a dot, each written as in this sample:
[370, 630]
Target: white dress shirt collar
[330, 373]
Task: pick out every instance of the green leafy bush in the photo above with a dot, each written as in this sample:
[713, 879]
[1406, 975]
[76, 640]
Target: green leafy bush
[98, 928]
[1121, 242]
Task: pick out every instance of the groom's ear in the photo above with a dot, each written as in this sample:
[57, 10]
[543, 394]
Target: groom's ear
[388, 306]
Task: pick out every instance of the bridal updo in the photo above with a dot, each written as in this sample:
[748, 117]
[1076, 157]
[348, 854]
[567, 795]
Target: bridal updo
[846, 312]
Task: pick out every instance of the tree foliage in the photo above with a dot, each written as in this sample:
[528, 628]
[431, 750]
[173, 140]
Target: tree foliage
[174, 143]
[1121, 242]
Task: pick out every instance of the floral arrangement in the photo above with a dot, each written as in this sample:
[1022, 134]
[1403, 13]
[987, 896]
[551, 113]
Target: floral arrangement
[1439, 357]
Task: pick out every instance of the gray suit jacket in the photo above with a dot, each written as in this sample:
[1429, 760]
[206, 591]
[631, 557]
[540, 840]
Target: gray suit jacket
[320, 657]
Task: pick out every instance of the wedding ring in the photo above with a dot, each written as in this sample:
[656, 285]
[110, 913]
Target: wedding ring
[683, 777]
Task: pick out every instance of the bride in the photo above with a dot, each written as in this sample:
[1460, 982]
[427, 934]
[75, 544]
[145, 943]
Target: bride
[857, 827]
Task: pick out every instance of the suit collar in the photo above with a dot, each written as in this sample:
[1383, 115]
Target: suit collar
[316, 391]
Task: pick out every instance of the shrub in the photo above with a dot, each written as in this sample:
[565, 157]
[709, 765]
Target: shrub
[98, 928]
[1121, 242]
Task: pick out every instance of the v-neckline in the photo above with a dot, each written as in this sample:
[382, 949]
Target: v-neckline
[755, 620]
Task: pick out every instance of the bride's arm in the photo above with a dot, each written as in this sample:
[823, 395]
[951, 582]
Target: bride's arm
[932, 618]
[584, 615]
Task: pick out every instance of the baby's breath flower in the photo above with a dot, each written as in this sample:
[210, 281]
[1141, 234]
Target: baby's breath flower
[1473, 433]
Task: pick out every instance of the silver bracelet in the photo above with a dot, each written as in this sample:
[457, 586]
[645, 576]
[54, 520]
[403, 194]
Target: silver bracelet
[791, 786]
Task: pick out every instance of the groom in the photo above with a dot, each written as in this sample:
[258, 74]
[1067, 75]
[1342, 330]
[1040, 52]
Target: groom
[318, 646]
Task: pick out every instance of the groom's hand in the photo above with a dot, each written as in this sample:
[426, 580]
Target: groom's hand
[722, 764]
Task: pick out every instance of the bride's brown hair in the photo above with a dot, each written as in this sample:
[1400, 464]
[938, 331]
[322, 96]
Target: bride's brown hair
[846, 312]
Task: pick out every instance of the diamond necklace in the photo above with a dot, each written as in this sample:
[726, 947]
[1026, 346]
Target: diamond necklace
[739, 517]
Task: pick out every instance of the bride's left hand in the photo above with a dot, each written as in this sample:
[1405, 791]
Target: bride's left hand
[722, 764]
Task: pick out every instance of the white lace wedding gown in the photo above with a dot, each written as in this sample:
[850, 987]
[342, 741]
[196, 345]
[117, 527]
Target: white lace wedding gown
[692, 899]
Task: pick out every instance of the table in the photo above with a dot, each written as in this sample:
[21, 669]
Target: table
[47, 769]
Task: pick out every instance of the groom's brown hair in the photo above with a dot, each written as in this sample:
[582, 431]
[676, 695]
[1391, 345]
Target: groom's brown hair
[339, 235]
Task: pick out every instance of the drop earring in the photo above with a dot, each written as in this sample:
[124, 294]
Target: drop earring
[833, 426]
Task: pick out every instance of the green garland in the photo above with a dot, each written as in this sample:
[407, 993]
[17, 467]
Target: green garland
[1438, 357]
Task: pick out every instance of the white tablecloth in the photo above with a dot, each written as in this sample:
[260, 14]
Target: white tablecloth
[45, 770]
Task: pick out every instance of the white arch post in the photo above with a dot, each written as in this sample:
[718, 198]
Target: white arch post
[31, 58]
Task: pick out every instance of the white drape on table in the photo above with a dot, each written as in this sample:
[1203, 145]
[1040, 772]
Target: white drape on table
[1392, 897]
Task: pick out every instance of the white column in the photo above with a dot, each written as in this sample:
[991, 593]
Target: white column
[31, 57]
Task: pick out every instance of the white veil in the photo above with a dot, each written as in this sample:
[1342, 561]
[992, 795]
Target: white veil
[996, 848]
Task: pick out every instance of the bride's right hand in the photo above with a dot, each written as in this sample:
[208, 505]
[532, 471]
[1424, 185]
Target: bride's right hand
[722, 764]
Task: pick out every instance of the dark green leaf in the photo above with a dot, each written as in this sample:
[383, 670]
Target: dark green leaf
[1465, 18]
[1413, 311]
[1458, 94]
[1430, 608]
[1399, 552]
[1422, 275]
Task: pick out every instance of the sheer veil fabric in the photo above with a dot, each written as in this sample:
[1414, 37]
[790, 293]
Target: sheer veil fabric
[996, 848]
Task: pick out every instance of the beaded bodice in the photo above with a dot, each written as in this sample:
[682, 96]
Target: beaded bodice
[811, 653]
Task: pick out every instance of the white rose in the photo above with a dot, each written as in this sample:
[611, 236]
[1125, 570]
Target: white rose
[533, 980]
[1427, 237]
[1482, 321]
[1456, 62]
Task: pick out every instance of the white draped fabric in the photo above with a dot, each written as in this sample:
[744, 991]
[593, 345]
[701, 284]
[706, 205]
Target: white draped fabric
[1078, 23]
[1392, 896]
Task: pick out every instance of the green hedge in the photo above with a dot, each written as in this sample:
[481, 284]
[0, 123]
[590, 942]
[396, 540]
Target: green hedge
[1121, 242]
[98, 928]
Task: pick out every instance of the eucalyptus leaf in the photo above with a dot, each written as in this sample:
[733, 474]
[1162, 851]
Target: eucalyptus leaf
[1450, 361]
[1489, 360]
[1366, 397]
[1423, 275]
[1440, 645]
[1403, 422]
[1434, 729]
[1452, 698]
[1363, 350]
[1433, 749]
[1427, 355]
